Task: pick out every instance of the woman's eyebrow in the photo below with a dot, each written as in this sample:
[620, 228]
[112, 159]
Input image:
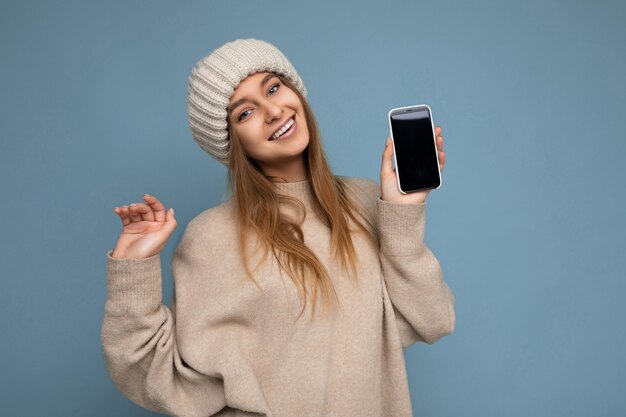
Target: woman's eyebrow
[244, 99]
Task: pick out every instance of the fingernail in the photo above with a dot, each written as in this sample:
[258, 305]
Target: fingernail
[132, 204]
[172, 210]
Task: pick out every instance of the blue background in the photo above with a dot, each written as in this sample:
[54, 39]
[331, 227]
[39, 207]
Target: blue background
[528, 224]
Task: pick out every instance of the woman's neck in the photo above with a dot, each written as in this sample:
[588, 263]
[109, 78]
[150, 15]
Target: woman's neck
[282, 180]
[293, 170]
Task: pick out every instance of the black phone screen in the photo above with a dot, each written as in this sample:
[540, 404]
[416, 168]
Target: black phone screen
[416, 155]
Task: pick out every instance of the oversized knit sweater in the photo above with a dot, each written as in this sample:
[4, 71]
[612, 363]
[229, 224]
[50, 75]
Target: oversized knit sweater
[224, 348]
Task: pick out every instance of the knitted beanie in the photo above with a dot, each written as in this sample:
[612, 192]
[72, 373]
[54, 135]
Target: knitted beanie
[213, 80]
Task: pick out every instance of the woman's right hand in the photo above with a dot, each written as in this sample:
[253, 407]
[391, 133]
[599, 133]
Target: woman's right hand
[147, 226]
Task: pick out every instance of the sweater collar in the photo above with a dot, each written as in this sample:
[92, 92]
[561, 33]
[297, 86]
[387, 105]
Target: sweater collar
[302, 190]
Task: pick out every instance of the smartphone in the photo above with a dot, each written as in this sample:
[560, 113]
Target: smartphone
[414, 148]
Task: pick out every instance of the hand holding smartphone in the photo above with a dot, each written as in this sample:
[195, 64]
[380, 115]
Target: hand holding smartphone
[414, 148]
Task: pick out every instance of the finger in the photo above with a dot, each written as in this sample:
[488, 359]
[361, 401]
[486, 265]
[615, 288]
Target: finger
[125, 220]
[157, 207]
[142, 210]
[437, 130]
[440, 143]
[386, 164]
[125, 214]
[133, 215]
[442, 158]
[170, 222]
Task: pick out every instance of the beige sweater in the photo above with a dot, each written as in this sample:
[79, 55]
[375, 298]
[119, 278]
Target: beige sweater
[224, 349]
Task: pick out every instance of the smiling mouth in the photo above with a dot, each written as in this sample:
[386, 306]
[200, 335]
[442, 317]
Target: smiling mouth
[287, 132]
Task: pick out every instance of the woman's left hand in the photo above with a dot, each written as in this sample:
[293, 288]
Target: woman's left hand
[389, 183]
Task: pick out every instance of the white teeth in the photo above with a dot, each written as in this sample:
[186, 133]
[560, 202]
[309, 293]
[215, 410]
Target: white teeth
[283, 129]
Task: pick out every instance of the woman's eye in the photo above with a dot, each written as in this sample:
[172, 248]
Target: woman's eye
[275, 85]
[242, 114]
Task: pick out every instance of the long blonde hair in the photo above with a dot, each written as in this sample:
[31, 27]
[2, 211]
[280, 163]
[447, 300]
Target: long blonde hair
[257, 206]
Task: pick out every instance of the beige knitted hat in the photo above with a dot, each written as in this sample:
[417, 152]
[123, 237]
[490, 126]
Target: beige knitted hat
[213, 80]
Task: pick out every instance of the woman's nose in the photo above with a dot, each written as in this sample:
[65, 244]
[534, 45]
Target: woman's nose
[273, 112]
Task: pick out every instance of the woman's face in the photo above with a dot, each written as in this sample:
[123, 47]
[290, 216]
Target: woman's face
[260, 106]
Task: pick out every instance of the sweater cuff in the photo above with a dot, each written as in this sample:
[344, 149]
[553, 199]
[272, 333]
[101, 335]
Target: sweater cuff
[401, 227]
[133, 285]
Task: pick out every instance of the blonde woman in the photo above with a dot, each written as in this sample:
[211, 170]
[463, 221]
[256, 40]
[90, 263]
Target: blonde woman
[293, 298]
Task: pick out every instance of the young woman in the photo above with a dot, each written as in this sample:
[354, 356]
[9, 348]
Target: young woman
[293, 298]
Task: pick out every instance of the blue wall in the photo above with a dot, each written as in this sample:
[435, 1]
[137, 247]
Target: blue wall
[528, 225]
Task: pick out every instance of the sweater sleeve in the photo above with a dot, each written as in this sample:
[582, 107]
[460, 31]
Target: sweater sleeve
[423, 303]
[138, 335]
